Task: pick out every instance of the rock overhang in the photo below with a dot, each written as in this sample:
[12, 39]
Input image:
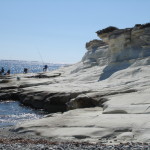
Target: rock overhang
[128, 43]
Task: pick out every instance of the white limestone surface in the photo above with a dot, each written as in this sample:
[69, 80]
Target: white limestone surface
[114, 78]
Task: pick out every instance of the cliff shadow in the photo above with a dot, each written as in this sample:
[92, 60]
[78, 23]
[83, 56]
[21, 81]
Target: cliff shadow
[112, 68]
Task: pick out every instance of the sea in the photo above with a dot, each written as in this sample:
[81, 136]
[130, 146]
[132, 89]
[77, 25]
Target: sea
[17, 66]
[13, 112]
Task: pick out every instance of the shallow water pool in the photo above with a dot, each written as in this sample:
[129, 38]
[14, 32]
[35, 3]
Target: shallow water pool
[12, 113]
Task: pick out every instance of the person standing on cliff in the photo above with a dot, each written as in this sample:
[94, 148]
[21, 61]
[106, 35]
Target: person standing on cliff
[45, 68]
[8, 72]
[25, 70]
[2, 71]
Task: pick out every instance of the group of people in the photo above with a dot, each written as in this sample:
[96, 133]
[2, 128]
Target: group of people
[44, 69]
[2, 71]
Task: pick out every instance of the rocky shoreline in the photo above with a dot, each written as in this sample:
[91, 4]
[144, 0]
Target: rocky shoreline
[13, 141]
[104, 96]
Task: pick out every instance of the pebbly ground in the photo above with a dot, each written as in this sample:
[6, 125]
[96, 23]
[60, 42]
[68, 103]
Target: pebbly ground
[10, 140]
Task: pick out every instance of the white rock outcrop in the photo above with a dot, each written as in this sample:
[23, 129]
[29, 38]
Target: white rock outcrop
[127, 44]
[113, 79]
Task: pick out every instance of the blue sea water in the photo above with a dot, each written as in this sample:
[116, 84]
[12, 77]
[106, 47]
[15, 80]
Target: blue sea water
[17, 66]
[12, 112]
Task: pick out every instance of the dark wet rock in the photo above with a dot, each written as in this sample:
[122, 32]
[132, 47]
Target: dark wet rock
[86, 100]
[5, 81]
[115, 112]
[9, 87]
[10, 95]
[5, 96]
[43, 75]
[51, 102]
[81, 101]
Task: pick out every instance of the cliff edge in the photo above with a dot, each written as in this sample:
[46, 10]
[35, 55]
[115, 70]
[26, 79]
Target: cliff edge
[127, 44]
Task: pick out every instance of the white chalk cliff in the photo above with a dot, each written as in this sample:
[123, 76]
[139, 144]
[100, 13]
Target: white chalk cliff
[107, 94]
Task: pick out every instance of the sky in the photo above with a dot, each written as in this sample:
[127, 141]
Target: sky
[56, 31]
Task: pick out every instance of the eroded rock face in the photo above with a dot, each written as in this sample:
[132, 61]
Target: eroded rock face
[99, 56]
[127, 44]
[95, 44]
[50, 102]
[97, 53]
[118, 45]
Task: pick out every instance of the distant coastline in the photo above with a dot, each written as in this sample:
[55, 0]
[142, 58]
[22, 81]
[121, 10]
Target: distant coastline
[33, 61]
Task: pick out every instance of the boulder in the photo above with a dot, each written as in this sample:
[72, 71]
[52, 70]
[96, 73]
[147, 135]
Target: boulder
[86, 100]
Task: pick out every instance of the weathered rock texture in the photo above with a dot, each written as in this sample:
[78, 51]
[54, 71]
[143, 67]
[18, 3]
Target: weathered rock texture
[127, 44]
[94, 44]
[97, 53]
[113, 79]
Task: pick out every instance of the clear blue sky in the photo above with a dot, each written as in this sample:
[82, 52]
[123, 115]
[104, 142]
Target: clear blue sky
[57, 30]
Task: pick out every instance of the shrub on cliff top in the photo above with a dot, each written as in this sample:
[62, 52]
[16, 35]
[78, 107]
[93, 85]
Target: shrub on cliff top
[141, 26]
[107, 30]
